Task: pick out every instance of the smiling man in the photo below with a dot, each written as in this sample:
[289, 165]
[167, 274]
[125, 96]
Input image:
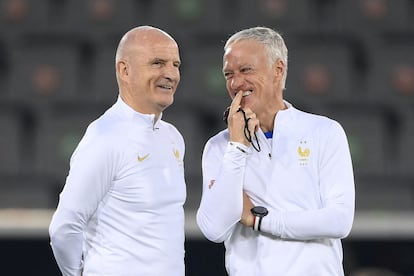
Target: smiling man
[121, 209]
[283, 193]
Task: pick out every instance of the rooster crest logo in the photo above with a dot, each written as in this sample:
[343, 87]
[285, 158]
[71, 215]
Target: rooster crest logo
[303, 153]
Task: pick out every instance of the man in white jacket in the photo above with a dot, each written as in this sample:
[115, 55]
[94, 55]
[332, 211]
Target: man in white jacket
[121, 210]
[278, 185]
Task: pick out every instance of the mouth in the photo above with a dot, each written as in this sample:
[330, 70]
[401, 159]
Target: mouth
[166, 86]
[247, 93]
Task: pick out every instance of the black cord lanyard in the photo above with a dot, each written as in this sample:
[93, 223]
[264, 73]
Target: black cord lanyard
[246, 128]
[247, 132]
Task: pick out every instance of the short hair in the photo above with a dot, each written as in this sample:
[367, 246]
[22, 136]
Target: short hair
[270, 39]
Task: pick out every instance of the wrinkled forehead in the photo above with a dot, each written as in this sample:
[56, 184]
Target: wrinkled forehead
[152, 38]
[243, 47]
[158, 50]
[243, 51]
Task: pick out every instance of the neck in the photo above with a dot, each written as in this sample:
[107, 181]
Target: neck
[267, 119]
[135, 104]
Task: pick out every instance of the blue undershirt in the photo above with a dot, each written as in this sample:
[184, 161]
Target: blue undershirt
[269, 134]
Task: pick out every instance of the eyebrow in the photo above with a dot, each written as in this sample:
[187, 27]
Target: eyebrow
[157, 59]
[163, 60]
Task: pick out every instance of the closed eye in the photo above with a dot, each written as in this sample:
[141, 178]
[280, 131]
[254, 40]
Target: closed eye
[158, 62]
[246, 70]
[228, 75]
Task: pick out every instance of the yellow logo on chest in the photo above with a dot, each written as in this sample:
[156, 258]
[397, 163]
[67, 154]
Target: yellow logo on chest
[177, 156]
[176, 153]
[303, 153]
[142, 158]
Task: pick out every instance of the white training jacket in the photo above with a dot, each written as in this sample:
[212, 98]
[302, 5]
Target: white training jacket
[303, 176]
[121, 209]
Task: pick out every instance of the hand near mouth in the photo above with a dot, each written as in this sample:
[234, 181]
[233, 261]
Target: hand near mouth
[237, 121]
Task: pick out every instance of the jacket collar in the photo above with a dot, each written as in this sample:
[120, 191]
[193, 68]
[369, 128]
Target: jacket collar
[127, 112]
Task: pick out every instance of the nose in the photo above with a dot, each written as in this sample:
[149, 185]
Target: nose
[236, 82]
[172, 73]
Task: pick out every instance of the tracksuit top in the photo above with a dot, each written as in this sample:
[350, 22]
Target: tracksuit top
[121, 210]
[303, 176]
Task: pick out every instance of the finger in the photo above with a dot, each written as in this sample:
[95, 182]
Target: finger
[249, 113]
[236, 121]
[253, 125]
[235, 104]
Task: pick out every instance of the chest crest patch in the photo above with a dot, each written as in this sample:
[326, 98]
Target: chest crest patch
[176, 154]
[303, 153]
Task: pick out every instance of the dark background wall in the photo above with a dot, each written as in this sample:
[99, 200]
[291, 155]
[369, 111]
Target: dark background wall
[350, 60]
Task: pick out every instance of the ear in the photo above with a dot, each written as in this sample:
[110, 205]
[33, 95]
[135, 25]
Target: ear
[122, 69]
[279, 68]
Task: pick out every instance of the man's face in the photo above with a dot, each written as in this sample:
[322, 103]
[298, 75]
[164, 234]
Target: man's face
[155, 74]
[247, 69]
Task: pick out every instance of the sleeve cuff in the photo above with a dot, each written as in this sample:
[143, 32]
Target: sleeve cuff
[272, 224]
[239, 146]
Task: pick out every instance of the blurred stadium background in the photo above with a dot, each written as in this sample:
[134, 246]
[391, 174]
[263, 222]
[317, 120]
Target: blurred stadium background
[352, 60]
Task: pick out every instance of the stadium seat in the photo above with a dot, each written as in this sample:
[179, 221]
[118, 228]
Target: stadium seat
[408, 16]
[45, 71]
[103, 79]
[190, 17]
[391, 74]
[405, 146]
[366, 129]
[384, 193]
[320, 71]
[288, 16]
[276, 13]
[97, 18]
[202, 81]
[20, 16]
[28, 191]
[60, 129]
[370, 17]
[10, 140]
[4, 69]
[325, 16]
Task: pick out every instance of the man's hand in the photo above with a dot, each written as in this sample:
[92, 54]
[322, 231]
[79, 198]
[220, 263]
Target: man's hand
[236, 121]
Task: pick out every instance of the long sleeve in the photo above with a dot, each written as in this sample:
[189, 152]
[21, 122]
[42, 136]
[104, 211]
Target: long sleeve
[66, 239]
[334, 219]
[222, 202]
[122, 205]
[303, 175]
[86, 185]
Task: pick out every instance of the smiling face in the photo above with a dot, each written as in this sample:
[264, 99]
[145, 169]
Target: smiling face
[148, 71]
[247, 68]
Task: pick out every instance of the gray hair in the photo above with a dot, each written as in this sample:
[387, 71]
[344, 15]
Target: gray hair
[270, 39]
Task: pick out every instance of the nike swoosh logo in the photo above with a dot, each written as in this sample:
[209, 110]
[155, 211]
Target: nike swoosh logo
[142, 158]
